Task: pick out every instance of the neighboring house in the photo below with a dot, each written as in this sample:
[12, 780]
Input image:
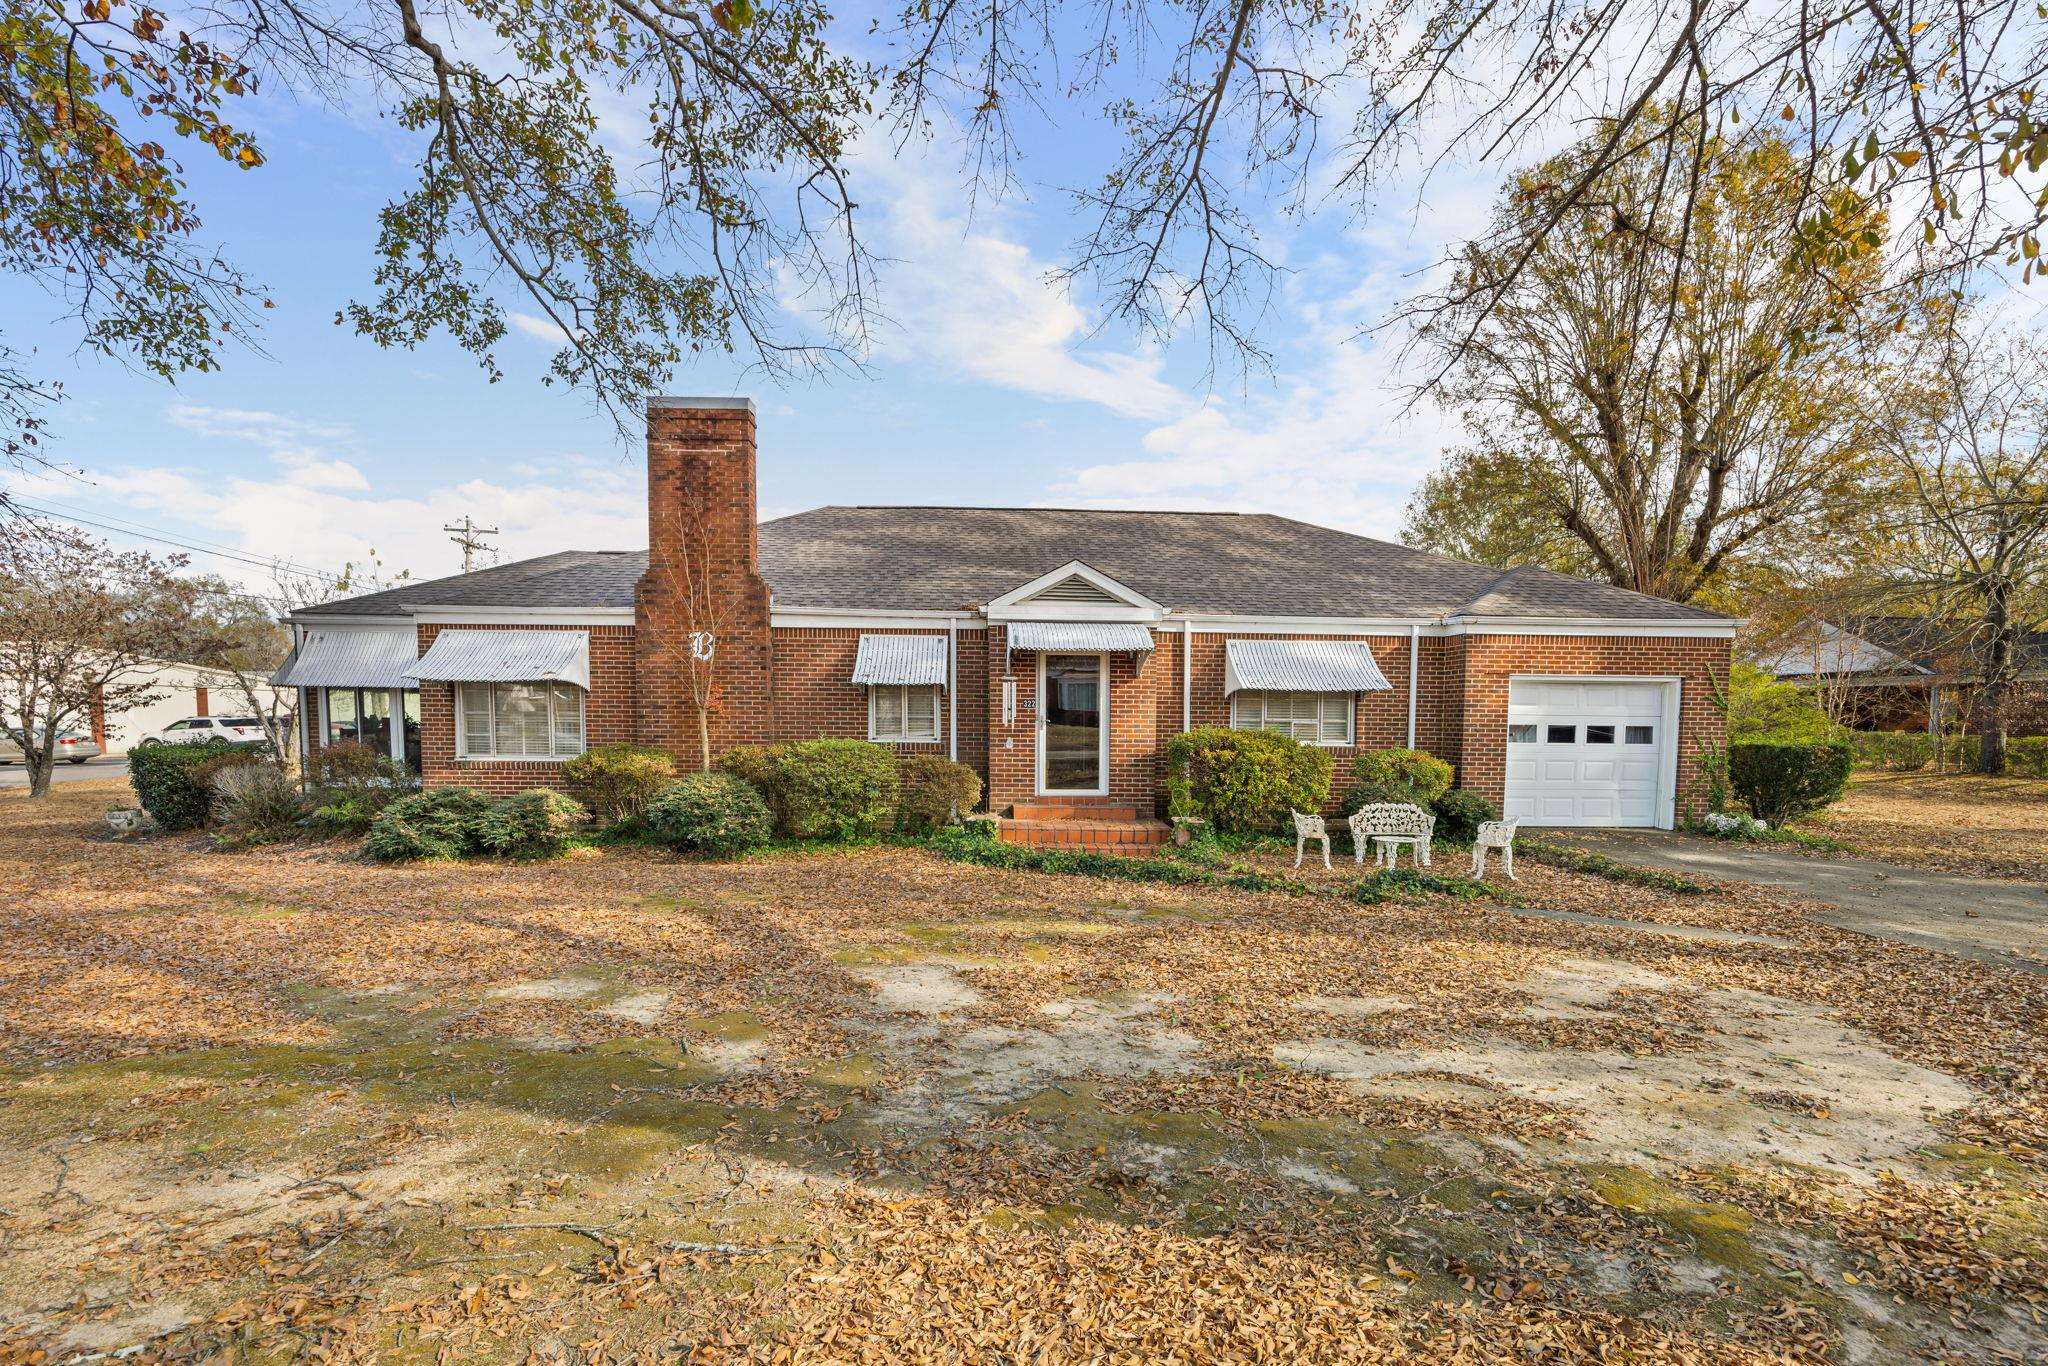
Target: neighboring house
[1906, 673]
[181, 690]
[941, 630]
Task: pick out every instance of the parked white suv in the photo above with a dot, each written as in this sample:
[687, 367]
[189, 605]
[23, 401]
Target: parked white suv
[197, 730]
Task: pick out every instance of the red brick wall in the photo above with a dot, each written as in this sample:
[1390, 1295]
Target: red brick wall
[609, 714]
[814, 696]
[703, 574]
[1490, 661]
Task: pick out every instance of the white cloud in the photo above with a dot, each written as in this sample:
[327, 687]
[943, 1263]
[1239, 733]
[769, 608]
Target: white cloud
[976, 302]
[542, 329]
[320, 512]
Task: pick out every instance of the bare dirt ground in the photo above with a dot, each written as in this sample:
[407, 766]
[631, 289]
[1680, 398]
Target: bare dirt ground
[1961, 823]
[874, 1106]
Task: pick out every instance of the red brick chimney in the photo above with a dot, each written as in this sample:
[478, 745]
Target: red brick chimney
[703, 579]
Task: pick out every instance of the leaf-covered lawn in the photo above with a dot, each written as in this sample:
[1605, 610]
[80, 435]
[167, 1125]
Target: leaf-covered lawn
[875, 1105]
[1963, 823]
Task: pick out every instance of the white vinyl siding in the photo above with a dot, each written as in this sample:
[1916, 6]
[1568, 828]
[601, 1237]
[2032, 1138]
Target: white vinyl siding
[1314, 718]
[519, 720]
[903, 714]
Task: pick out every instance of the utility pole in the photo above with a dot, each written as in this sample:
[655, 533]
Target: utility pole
[470, 537]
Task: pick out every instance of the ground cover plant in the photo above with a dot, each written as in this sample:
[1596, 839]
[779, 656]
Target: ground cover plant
[287, 1103]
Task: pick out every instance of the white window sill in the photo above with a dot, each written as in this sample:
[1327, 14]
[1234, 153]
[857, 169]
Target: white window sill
[516, 758]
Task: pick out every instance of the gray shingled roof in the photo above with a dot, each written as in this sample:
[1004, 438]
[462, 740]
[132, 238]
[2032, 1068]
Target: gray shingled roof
[878, 558]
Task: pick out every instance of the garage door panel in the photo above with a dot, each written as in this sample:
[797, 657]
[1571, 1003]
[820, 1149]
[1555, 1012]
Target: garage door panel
[1586, 753]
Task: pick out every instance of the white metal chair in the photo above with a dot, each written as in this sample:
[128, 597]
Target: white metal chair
[1388, 825]
[1495, 835]
[1306, 828]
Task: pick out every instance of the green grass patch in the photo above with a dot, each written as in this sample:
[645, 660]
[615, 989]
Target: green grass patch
[1405, 884]
[965, 847]
[1599, 865]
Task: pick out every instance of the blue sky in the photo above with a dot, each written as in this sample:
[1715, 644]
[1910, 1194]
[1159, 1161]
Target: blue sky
[991, 387]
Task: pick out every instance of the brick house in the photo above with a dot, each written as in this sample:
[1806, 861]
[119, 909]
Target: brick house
[1055, 651]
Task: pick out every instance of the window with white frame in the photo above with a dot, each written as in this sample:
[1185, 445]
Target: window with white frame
[1314, 718]
[518, 720]
[904, 713]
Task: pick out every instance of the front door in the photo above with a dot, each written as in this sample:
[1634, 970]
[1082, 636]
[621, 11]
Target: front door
[1073, 693]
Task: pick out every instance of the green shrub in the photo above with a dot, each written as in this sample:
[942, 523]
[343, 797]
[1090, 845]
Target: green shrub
[339, 811]
[439, 823]
[1761, 709]
[171, 781]
[1781, 783]
[1243, 780]
[711, 813]
[256, 804]
[749, 762]
[617, 781]
[936, 791]
[1898, 751]
[833, 789]
[1459, 813]
[537, 823]
[1401, 775]
[2027, 756]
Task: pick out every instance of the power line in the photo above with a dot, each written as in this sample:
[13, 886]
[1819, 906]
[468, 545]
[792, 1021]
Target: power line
[107, 521]
[330, 579]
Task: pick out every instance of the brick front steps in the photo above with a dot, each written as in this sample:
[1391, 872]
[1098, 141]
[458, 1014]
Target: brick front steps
[1099, 826]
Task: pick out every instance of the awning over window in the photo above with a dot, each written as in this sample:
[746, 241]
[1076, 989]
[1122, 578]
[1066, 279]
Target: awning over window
[1301, 666]
[351, 657]
[507, 657]
[1120, 637]
[914, 660]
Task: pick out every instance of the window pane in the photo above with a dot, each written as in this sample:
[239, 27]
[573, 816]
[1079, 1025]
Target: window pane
[1599, 735]
[1641, 735]
[522, 718]
[1245, 711]
[921, 714]
[1521, 735]
[568, 699]
[888, 713]
[1562, 735]
[341, 715]
[1337, 719]
[476, 718]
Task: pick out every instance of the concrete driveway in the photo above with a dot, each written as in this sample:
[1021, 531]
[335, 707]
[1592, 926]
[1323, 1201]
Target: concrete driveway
[1997, 922]
[107, 766]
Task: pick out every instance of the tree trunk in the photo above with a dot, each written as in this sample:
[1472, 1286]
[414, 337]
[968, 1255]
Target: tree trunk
[703, 738]
[1998, 661]
[40, 767]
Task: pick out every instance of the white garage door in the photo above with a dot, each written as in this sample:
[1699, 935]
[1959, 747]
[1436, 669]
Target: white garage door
[1587, 752]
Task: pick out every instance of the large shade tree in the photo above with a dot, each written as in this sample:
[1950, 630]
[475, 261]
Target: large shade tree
[1663, 390]
[1958, 531]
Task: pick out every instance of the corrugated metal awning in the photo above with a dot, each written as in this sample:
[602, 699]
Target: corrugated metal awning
[1301, 666]
[351, 657]
[914, 660]
[462, 656]
[1114, 636]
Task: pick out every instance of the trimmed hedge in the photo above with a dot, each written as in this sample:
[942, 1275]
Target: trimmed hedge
[1459, 813]
[1908, 751]
[173, 781]
[936, 792]
[711, 813]
[618, 781]
[833, 789]
[1781, 783]
[1243, 781]
[458, 822]
[1401, 775]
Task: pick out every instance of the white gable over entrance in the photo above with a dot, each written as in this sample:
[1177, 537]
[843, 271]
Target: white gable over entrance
[1074, 592]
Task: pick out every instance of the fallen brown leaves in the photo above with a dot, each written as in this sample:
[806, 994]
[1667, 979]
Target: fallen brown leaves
[1962, 823]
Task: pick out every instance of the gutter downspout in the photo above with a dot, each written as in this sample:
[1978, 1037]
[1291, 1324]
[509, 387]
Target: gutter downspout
[1187, 676]
[1414, 672]
[953, 689]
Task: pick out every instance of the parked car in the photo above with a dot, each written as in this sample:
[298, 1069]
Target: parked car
[72, 747]
[197, 730]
